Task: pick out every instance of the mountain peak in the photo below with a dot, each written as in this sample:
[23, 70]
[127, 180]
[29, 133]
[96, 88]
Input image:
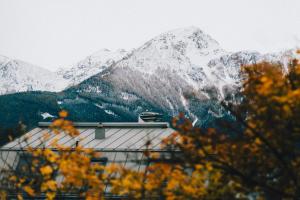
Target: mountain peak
[188, 44]
[179, 49]
[190, 30]
[188, 37]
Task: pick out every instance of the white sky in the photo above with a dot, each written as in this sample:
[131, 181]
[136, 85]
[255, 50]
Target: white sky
[57, 33]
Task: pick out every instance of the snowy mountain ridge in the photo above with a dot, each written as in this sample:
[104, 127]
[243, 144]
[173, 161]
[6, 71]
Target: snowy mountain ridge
[183, 70]
[188, 54]
[18, 76]
[91, 65]
[177, 71]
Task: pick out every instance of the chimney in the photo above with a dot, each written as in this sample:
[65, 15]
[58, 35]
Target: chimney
[145, 117]
[100, 132]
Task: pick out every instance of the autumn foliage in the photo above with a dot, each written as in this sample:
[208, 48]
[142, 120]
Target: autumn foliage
[259, 160]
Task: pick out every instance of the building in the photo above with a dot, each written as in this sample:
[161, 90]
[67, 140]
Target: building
[122, 143]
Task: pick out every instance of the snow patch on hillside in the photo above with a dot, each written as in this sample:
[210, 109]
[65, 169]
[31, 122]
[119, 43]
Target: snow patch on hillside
[46, 115]
[110, 112]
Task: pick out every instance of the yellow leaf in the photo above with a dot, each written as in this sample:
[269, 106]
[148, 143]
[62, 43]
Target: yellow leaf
[257, 141]
[46, 170]
[58, 123]
[63, 114]
[28, 190]
[208, 166]
[50, 155]
[19, 196]
[51, 185]
[50, 195]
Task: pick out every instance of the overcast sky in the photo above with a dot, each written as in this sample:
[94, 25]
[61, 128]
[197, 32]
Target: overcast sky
[58, 33]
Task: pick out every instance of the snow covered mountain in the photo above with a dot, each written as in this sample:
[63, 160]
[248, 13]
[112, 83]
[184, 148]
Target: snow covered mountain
[187, 55]
[183, 70]
[175, 71]
[19, 76]
[174, 64]
[91, 65]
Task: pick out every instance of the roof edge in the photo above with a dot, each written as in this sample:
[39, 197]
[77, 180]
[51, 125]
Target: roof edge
[114, 124]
